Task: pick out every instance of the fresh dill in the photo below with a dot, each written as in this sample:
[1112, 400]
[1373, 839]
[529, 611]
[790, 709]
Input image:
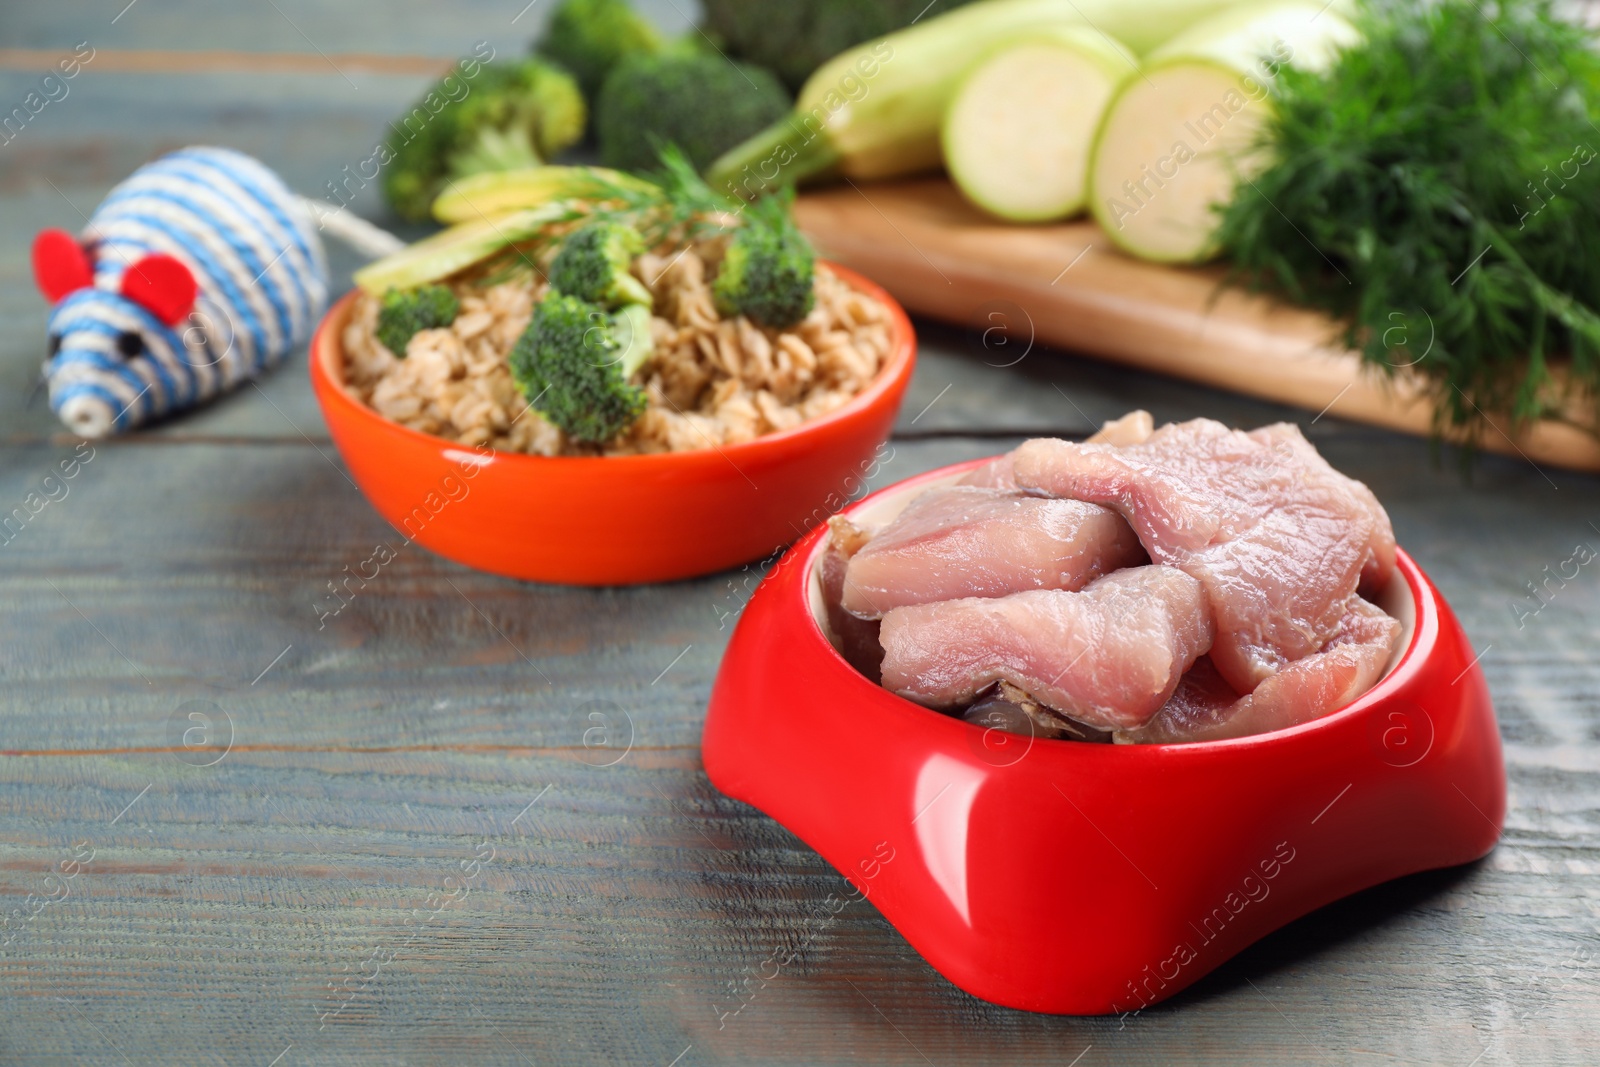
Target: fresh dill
[1435, 190]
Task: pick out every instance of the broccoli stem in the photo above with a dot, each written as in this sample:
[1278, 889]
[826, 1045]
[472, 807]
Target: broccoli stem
[785, 153]
[632, 326]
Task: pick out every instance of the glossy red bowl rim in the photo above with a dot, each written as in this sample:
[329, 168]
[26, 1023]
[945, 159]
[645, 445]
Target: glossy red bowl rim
[327, 343]
[1424, 635]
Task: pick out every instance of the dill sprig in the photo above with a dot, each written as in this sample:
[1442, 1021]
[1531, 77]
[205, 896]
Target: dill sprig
[671, 205]
[1435, 190]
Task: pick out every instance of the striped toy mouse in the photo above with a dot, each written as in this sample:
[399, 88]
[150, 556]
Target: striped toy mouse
[198, 272]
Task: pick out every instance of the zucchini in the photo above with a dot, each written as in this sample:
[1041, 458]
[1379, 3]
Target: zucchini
[1176, 141]
[1018, 133]
[874, 111]
[459, 247]
[495, 193]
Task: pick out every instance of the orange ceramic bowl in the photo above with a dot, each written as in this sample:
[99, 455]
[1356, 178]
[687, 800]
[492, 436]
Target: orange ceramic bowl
[611, 520]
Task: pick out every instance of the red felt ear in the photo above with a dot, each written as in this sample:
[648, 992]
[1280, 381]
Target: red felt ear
[162, 286]
[60, 265]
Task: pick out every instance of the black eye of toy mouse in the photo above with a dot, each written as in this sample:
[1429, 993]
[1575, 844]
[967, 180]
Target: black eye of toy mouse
[130, 344]
[55, 343]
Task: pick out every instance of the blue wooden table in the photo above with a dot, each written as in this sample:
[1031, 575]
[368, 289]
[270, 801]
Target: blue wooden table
[395, 846]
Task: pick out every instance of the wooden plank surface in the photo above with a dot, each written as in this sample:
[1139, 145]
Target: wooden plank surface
[302, 899]
[1067, 284]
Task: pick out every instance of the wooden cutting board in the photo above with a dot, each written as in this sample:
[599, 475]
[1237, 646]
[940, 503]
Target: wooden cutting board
[1066, 284]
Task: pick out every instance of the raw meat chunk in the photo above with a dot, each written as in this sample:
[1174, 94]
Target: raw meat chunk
[1202, 700]
[1108, 656]
[1378, 567]
[1205, 707]
[996, 474]
[1278, 538]
[856, 638]
[967, 541]
[1005, 707]
[1131, 429]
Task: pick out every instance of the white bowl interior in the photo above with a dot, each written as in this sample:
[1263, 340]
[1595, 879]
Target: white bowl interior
[1396, 599]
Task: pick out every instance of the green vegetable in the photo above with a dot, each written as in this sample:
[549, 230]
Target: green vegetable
[768, 272]
[675, 204]
[700, 102]
[1018, 132]
[403, 313]
[461, 246]
[573, 363]
[875, 110]
[795, 37]
[1431, 191]
[688, 206]
[590, 37]
[484, 196]
[671, 206]
[593, 265]
[1176, 140]
[511, 116]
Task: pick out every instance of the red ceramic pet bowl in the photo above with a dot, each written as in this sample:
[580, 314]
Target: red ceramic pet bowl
[1074, 878]
[611, 520]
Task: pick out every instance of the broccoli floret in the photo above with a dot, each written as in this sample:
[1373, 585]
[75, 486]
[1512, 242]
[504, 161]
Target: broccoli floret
[404, 312]
[573, 363]
[589, 37]
[796, 37]
[593, 265]
[768, 272]
[513, 115]
[701, 102]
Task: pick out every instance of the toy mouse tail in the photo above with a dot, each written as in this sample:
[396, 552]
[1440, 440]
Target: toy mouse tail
[352, 230]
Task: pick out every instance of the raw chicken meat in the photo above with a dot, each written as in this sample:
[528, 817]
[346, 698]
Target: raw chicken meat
[1131, 429]
[1378, 567]
[1246, 615]
[1109, 656]
[1005, 707]
[856, 638]
[967, 541]
[1278, 538]
[996, 474]
[1203, 698]
[1205, 707]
